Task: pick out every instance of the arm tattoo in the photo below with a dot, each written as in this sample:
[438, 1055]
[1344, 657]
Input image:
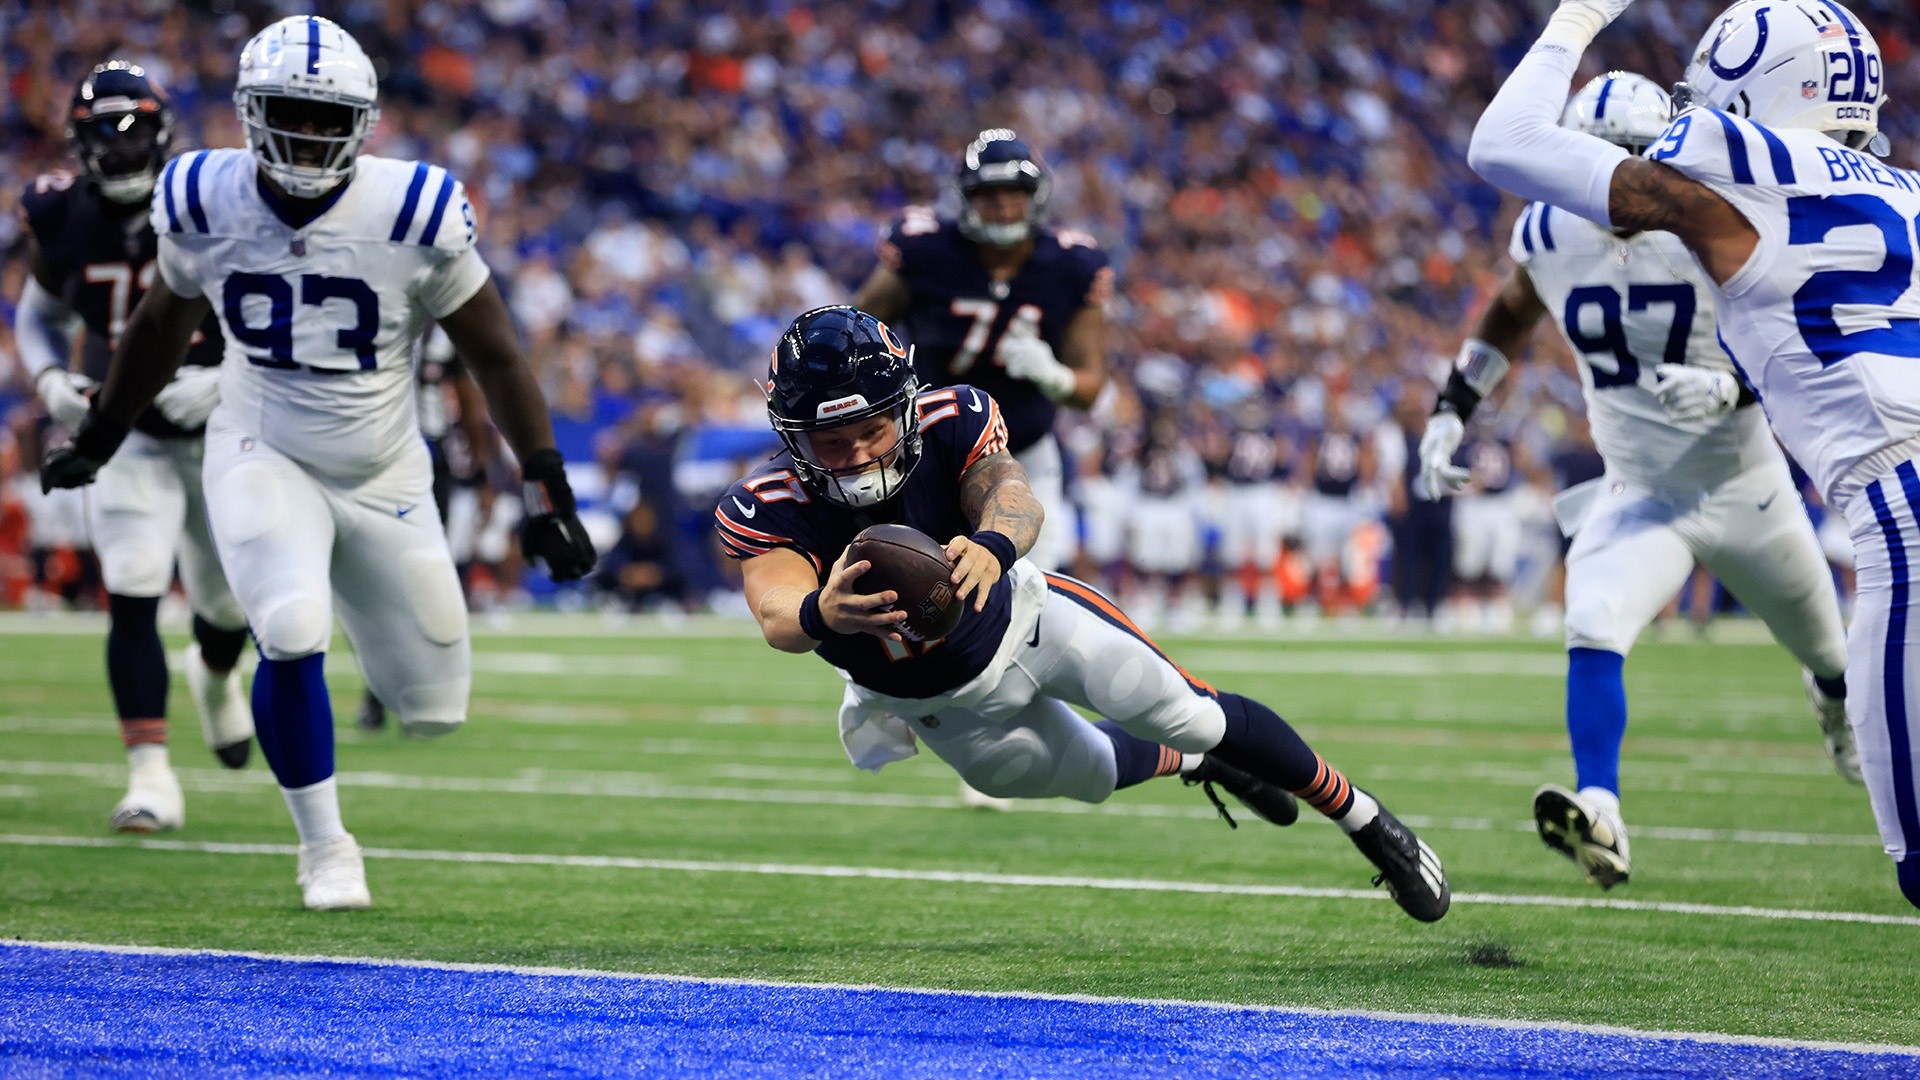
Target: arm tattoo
[994, 495]
[1648, 195]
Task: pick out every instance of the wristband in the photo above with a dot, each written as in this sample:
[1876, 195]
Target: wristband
[1000, 544]
[812, 623]
[1457, 397]
[99, 436]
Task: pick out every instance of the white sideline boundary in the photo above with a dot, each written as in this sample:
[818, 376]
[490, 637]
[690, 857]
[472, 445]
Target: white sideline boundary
[965, 877]
[638, 785]
[1002, 995]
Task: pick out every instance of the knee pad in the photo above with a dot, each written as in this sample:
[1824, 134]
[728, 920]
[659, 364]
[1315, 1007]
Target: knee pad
[1020, 764]
[1594, 623]
[296, 627]
[433, 709]
[1143, 692]
[131, 568]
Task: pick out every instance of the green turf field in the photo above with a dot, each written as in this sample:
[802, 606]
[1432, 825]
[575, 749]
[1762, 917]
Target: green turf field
[739, 842]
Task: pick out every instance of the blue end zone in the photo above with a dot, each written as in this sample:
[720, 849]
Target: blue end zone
[75, 1012]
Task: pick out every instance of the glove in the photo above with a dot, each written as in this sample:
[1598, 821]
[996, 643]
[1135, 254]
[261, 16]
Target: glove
[1025, 356]
[552, 530]
[1439, 476]
[64, 393]
[189, 399]
[1575, 23]
[77, 462]
[1695, 393]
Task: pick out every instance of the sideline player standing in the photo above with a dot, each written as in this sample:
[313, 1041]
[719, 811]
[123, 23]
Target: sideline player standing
[1809, 244]
[997, 300]
[992, 698]
[323, 266]
[91, 253]
[1692, 472]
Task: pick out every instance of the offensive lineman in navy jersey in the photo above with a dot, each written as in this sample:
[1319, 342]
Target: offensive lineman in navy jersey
[995, 299]
[992, 699]
[91, 250]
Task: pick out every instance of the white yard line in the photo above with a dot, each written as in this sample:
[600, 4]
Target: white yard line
[997, 995]
[968, 877]
[629, 785]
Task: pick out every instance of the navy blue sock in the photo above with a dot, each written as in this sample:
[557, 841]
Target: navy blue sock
[219, 648]
[1835, 687]
[1908, 870]
[1258, 741]
[136, 661]
[1596, 716]
[1137, 759]
[293, 719]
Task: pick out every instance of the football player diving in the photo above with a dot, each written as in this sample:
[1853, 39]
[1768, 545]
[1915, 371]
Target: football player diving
[992, 699]
[91, 252]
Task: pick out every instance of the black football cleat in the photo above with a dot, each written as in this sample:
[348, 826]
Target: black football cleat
[373, 715]
[1408, 867]
[1268, 802]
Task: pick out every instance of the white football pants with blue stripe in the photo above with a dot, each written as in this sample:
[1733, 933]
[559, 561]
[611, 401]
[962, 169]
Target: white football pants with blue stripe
[1883, 669]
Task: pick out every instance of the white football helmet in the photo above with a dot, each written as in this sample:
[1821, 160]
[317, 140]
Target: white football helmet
[292, 76]
[1625, 109]
[1791, 63]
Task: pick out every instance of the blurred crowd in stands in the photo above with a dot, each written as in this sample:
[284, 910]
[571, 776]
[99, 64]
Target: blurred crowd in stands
[661, 186]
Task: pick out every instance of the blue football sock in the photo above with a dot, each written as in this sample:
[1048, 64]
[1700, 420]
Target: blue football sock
[1136, 760]
[293, 719]
[1835, 687]
[1596, 716]
[1908, 870]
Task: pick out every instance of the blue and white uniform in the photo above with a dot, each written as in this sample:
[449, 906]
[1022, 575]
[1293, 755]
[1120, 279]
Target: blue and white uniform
[1824, 322]
[1715, 490]
[318, 484]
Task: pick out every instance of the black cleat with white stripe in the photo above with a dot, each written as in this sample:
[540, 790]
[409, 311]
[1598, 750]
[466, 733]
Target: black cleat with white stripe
[1408, 867]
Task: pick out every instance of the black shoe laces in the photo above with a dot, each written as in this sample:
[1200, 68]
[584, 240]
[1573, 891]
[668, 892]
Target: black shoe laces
[1207, 786]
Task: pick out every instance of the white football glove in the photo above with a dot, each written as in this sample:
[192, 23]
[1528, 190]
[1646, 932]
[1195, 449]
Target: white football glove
[1439, 476]
[64, 394]
[189, 399]
[1025, 356]
[1695, 393]
[1575, 23]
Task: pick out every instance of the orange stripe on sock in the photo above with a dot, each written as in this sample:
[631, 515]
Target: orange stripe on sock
[143, 732]
[1106, 606]
[1169, 762]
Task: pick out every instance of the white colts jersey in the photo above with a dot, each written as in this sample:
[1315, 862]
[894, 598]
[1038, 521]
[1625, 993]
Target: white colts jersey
[320, 318]
[1626, 306]
[1824, 318]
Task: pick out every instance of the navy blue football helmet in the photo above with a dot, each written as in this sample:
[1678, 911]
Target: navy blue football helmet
[120, 126]
[837, 366]
[999, 158]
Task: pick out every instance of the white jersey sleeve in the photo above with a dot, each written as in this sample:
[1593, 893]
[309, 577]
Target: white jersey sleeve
[1824, 317]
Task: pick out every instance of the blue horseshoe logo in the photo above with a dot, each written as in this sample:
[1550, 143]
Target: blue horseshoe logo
[1739, 70]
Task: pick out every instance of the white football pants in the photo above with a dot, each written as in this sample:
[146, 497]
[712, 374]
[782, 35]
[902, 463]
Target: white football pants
[1635, 547]
[1010, 733]
[1047, 477]
[145, 510]
[1883, 683]
[296, 543]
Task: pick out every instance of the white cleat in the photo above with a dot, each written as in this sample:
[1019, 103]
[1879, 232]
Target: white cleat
[980, 800]
[226, 716]
[153, 802]
[1596, 839]
[1832, 713]
[332, 877]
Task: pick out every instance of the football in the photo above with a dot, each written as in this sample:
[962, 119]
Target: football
[914, 565]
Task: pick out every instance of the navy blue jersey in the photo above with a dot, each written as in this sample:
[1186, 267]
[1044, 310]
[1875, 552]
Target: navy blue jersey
[1489, 461]
[1255, 457]
[100, 255]
[770, 509]
[1336, 468]
[958, 313]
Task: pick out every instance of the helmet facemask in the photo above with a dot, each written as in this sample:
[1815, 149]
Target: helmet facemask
[122, 151]
[306, 143]
[859, 484]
